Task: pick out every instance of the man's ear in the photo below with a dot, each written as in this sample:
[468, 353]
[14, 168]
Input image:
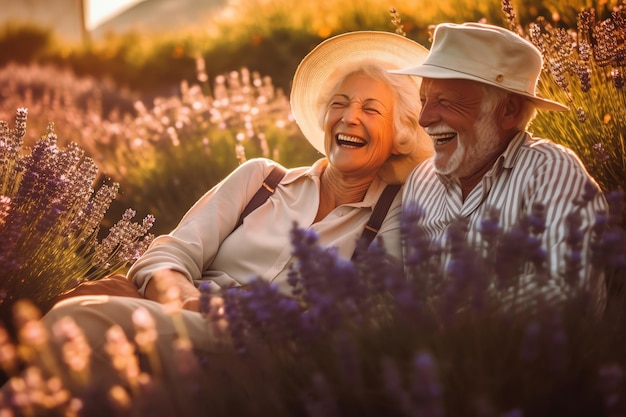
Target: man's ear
[512, 111]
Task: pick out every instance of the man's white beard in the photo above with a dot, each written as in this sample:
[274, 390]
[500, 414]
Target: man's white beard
[465, 160]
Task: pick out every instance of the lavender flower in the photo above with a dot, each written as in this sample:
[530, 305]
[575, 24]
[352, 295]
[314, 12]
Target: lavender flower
[530, 343]
[394, 386]
[422, 258]
[76, 352]
[348, 360]
[584, 75]
[50, 219]
[618, 78]
[347, 341]
[125, 242]
[581, 115]
[556, 342]
[574, 239]
[509, 257]
[600, 153]
[320, 403]
[396, 20]
[612, 387]
[426, 390]
[511, 16]
[587, 68]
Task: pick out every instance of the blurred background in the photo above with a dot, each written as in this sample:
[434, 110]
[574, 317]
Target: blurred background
[168, 96]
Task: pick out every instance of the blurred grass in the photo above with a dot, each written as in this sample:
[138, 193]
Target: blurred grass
[267, 36]
[90, 91]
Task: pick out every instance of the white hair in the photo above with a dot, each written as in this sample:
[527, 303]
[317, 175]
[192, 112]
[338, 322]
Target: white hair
[406, 110]
[494, 96]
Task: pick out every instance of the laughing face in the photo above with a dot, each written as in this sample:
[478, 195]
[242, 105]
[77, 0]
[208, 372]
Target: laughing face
[359, 125]
[464, 136]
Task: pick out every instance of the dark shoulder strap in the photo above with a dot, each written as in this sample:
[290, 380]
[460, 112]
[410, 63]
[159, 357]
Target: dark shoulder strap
[264, 192]
[378, 215]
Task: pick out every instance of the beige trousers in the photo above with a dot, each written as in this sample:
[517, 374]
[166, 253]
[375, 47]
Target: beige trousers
[120, 346]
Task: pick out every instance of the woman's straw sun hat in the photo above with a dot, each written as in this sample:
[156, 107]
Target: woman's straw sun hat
[314, 73]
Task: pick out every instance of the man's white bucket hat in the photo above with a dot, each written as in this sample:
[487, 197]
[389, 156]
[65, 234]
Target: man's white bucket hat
[488, 54]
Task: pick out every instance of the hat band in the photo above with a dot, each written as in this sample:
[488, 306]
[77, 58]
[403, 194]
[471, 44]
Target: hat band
[495, 78]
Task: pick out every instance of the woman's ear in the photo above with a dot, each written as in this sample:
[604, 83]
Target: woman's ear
[512, 111]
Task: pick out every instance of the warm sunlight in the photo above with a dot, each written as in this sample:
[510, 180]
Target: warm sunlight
[97, 11]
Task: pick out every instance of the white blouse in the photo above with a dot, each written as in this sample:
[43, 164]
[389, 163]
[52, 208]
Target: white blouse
[205, 248]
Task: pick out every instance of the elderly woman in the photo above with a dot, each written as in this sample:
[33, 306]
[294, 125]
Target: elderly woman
[362, 118]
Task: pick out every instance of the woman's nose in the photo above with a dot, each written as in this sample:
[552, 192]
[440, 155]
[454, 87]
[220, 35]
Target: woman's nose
[351, 114]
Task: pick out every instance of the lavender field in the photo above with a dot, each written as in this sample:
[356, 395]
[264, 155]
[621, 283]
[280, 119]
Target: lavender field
[92, 169]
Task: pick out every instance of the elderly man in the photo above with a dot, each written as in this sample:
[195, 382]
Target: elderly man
[478, 98]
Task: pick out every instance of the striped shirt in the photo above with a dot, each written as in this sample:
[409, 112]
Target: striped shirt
[530, 171]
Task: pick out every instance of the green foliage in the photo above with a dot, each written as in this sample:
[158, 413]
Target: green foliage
[167, 155]
[171, 154]
[277, 52]
[584, 68]
[76, 104]
[266, 36]
[23, 43]
[169, 178]
[269, 38]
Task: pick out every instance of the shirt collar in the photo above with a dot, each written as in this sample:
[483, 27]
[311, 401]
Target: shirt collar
[315, 172]
[513, 150]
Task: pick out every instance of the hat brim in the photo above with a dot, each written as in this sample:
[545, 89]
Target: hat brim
[314, 72]
[432, 71]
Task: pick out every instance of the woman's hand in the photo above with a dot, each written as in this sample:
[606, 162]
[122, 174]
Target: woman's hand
[216, 316]
[171, 287]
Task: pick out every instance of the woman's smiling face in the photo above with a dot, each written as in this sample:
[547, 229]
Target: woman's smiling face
[359, 125]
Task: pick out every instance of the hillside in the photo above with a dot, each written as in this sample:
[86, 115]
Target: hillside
[62, 16]
[159, 16]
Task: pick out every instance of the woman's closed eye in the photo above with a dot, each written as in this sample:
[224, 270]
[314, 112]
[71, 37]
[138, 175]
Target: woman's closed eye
[371, 110]
[368, 108]
[339, 104]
